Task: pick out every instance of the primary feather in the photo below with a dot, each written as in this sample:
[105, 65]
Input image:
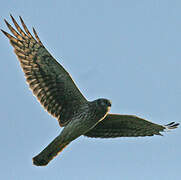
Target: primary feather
[49, 81]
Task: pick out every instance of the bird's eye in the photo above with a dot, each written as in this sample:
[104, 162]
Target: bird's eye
[104, 102]
[100, 102]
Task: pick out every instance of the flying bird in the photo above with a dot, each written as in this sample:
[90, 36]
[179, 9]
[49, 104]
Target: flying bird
[58, 94]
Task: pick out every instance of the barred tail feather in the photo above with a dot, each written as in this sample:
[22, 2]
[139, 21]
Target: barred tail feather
[45, 156]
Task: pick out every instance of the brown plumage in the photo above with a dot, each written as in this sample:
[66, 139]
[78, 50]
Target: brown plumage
[48, 80]
[58, 94]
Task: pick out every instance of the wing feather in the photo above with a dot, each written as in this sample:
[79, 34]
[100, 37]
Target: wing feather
[49, 81]
[115, 125]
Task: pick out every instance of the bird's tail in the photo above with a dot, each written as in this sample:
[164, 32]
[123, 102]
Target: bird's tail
[45, 156]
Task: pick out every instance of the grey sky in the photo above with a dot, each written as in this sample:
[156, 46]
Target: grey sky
[127, 51]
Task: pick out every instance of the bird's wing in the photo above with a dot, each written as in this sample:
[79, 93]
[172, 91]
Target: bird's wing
[115, 125]
[49, 81]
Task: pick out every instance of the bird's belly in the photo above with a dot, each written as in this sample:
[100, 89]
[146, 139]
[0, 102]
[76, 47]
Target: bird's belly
[77, 127]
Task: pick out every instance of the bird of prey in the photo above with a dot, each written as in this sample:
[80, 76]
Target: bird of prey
[58, 94]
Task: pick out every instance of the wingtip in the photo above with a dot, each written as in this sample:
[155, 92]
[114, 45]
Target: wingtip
[21, 19]
[11, 15]
[34, 31]
[36, 35]
[6, 21]
[4, 32]
[8, 25]
[172, 125]
[12, 18]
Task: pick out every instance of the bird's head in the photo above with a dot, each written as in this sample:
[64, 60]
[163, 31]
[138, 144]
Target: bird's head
[100, 107]
[103, 104]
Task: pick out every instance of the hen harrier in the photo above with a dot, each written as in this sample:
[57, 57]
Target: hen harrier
[58, 94]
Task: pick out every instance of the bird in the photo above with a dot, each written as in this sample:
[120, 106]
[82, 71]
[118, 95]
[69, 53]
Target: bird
[58, 94]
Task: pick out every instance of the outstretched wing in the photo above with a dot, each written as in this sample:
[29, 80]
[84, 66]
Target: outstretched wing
[48, 80]
[115, 125]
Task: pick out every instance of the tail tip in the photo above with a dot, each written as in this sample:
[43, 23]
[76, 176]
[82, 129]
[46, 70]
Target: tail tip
[39, 161]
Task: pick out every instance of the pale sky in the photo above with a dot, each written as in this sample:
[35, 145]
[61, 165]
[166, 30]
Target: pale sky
[126, 51]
